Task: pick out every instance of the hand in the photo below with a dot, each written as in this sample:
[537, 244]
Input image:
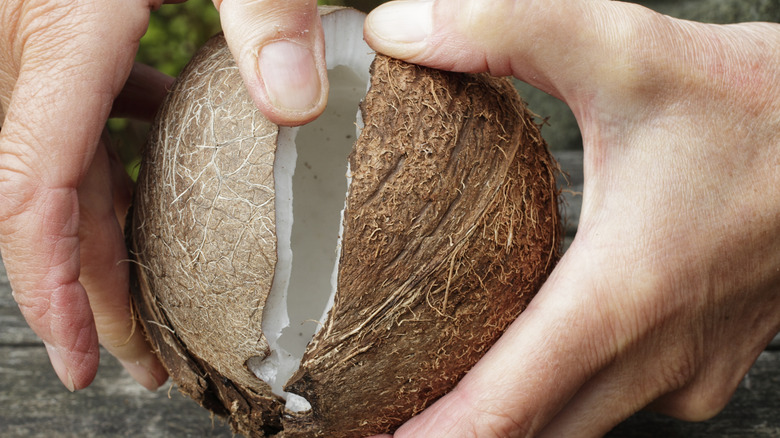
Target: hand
[671, 287]
[62, 191]
[63, 195]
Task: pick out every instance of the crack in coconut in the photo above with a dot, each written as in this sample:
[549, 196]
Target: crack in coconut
[311, 176]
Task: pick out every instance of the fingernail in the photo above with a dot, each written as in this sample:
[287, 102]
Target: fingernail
[290, 76]
[58, 364]
[151, 376]
[402, 21]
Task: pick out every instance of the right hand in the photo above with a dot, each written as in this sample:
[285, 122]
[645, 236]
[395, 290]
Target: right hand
[671, 288]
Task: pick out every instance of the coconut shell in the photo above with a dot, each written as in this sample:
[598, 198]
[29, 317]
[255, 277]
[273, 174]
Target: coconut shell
[451, 226]
[203, 235]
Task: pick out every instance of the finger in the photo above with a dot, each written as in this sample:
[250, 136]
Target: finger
[618, 391]
[39, 241]
[142, 94]
[140, 98]
[38, 251]
[670, 367]
[52, 125]
[104, 275]
[280, 51]
[541, 42]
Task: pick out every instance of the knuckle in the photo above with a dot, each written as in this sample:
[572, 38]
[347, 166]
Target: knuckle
[251, 24]
[58, 313]
[283, 13]
[695, 394]
[17, 185]
[677, 369]
[115, 327]
[24, 172]
[497, 418]
[34, 305]
[699, 403]
[483, 21]
[44, 307]
[504, 424]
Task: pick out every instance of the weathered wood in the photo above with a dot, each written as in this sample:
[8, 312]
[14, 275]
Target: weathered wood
[34, 404]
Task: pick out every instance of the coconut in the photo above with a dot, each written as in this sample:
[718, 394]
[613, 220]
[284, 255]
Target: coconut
[404, 241]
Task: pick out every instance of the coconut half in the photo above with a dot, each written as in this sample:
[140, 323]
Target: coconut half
[335, 279]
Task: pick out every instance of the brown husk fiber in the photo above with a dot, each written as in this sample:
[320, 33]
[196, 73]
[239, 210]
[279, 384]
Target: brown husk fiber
[451, 226]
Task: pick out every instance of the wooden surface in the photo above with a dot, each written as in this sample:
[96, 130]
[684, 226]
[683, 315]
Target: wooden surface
[34, 404]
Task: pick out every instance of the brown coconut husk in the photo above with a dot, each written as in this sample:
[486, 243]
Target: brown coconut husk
[450, 228]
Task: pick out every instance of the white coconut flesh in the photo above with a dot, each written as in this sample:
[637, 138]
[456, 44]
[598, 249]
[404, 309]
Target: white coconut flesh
[311, 181]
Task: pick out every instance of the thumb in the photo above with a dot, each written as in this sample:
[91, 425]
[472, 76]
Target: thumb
[280, 51]
[540, 42]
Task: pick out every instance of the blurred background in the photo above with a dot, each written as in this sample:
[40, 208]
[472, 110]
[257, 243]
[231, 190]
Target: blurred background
[176, 31]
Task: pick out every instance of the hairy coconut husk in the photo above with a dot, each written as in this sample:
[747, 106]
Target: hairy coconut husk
[204, 237]
[451, 225]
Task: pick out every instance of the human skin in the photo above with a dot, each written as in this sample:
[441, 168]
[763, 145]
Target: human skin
[63, 194]
[665, 298]
[671, 287]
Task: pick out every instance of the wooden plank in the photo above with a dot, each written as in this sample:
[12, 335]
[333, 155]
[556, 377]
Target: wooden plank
[33, 403]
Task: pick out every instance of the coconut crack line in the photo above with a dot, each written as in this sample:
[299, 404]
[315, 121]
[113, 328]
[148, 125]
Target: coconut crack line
[310, 168]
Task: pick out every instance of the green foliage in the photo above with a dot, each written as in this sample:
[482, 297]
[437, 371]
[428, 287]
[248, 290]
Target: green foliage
[175, 32]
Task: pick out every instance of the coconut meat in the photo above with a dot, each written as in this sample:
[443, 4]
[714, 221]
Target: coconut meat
[311, 177]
